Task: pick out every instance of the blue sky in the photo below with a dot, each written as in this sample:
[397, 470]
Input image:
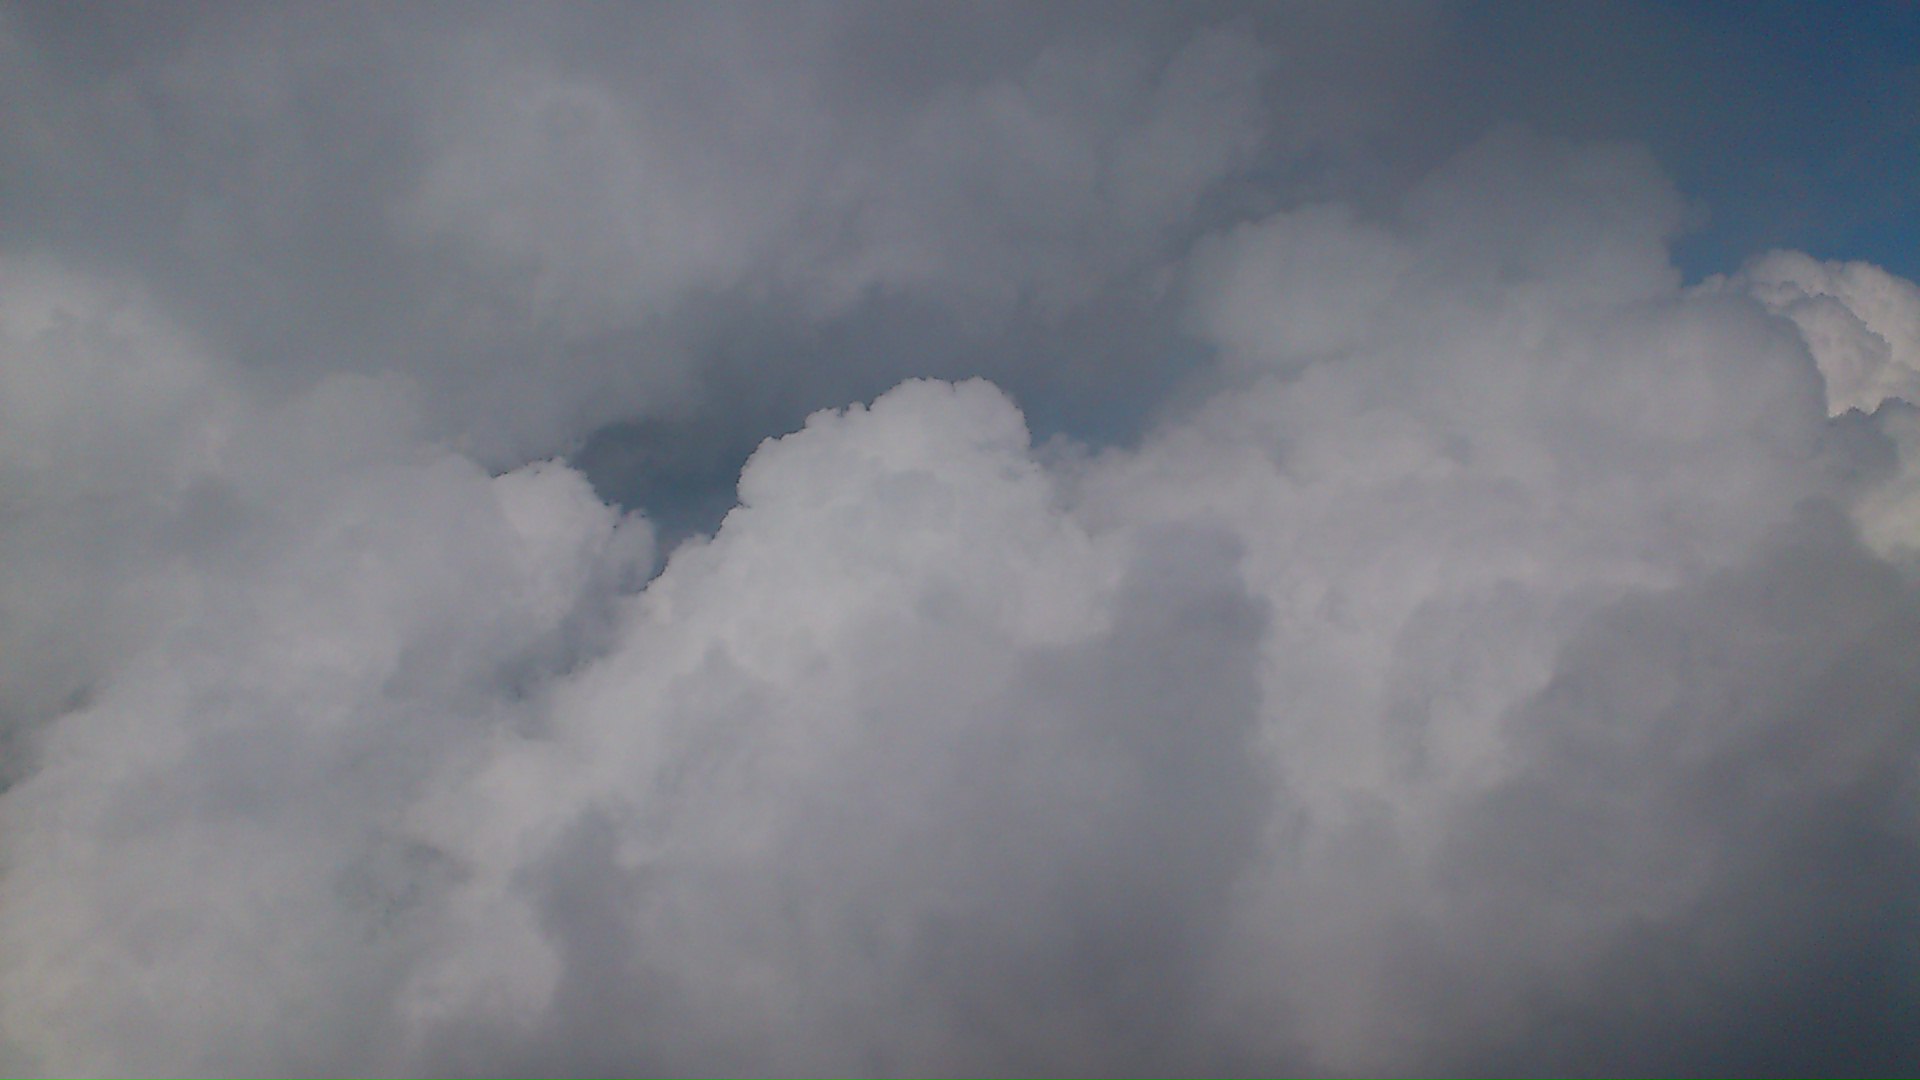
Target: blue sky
[1798, 125]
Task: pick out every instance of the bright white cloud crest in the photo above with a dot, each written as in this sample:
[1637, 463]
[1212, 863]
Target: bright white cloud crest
[1482, 668]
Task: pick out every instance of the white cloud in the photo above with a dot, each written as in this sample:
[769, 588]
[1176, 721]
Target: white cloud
[1477, 669]
[1862, 323]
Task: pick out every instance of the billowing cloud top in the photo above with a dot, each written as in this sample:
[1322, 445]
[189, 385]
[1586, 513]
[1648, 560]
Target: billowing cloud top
[1426, 634]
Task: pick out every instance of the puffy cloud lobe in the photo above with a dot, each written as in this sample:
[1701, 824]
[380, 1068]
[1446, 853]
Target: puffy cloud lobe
[908, 776]
[1862, 323]
[1484, 671]
[218, 823]
[259, 625]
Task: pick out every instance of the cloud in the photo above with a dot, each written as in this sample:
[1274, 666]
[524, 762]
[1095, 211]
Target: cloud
[1482, 651]
[449, 202]
[1862, 325]
[1861, 322]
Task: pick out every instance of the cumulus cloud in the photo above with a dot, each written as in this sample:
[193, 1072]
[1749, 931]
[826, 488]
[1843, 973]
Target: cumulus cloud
[1862, 323]
[1485, 653]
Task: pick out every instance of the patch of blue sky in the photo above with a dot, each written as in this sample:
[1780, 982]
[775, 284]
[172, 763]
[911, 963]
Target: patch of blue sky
[1792, 125]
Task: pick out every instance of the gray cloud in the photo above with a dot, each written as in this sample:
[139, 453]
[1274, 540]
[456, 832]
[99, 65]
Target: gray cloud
[448, 196]
[1302, 589]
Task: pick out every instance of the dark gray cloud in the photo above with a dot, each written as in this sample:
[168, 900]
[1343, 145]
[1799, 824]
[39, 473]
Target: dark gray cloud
[1306, 584]
[449, 195]
[1723, 773]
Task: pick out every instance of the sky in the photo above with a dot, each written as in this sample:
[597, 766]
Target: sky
[985, 539]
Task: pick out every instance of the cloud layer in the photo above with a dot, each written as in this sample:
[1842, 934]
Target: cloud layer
[1428, 635]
